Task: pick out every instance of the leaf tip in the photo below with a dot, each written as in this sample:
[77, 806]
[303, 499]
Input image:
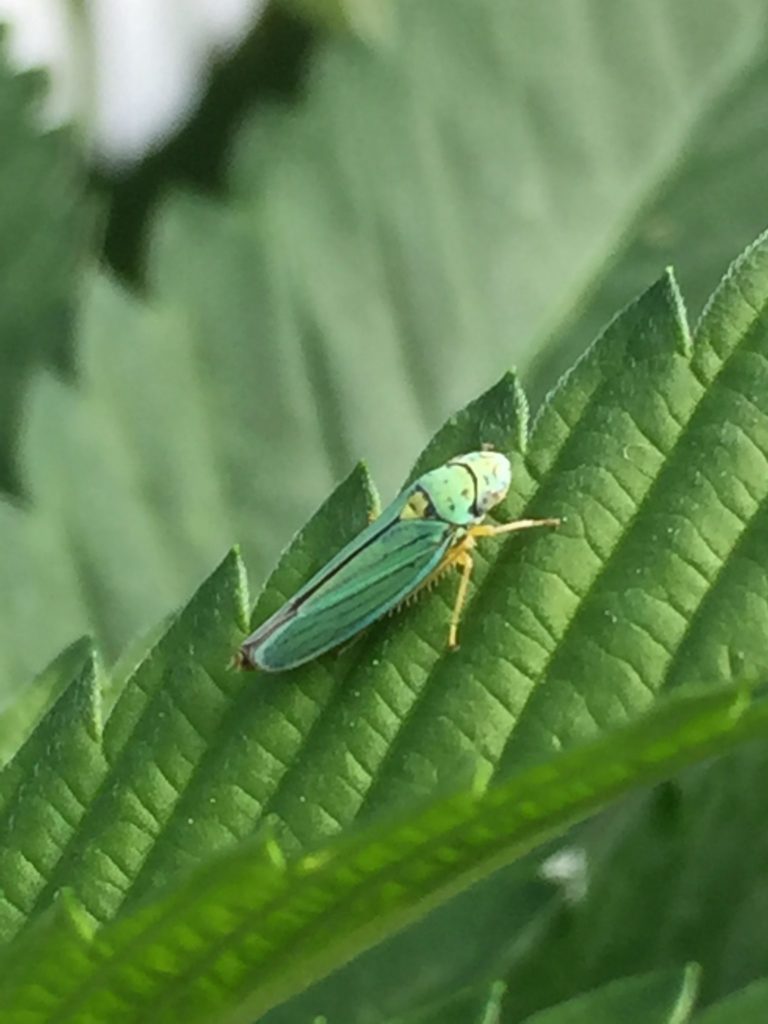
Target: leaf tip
[235, 566]
[67, 908]
[499, 416]
[86, 694]
[481, 778]
[273, 853]
[503, 412]
[227, 586]
[361, 477]
[738, 280]
[676, 304]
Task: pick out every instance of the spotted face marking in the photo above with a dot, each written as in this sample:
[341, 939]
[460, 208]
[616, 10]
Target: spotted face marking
[492, 474]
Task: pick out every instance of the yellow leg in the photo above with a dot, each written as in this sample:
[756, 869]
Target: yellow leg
[462, 559]
[465, 563]
[519, 524]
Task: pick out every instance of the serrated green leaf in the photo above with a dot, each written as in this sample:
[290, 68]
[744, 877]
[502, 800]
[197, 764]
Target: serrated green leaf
[22, 709]
[196, 757]
[43, 225]
[245, 931]
[471, 205]
[44, 793]
[705, 837]
[661, 998]
[173, 729]
[141, 483]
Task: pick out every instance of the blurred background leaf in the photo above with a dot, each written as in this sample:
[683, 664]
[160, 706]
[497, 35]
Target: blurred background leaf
[666, 997]
[690, 854]
[749, 1006]
[44, 235]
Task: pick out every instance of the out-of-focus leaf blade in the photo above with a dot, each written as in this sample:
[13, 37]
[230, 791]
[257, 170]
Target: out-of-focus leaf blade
[248, 930]
[661, 998]
[749, 1006]
[44, 220]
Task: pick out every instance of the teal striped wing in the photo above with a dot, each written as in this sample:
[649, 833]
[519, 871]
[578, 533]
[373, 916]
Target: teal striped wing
[368, 578]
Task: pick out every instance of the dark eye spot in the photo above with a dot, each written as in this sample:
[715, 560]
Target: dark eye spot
[426, 509]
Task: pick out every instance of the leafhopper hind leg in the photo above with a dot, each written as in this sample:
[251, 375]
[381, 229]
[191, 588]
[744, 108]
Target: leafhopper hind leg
[465, 563]
[492, 530]
[463, 560]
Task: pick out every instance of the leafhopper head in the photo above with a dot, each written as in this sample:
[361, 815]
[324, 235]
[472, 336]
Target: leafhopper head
[463, 490]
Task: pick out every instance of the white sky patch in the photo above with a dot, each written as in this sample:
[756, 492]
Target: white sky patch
[131, 71]
[39, 37]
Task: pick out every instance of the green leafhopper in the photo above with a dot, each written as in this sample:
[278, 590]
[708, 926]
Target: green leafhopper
[431, 526]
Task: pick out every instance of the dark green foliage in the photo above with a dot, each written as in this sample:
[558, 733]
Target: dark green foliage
[44, 224]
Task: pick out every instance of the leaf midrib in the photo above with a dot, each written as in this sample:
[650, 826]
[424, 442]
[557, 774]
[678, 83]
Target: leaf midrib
[456, 834]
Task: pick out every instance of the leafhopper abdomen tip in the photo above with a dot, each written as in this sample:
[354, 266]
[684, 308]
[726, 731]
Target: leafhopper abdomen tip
[240, 662]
